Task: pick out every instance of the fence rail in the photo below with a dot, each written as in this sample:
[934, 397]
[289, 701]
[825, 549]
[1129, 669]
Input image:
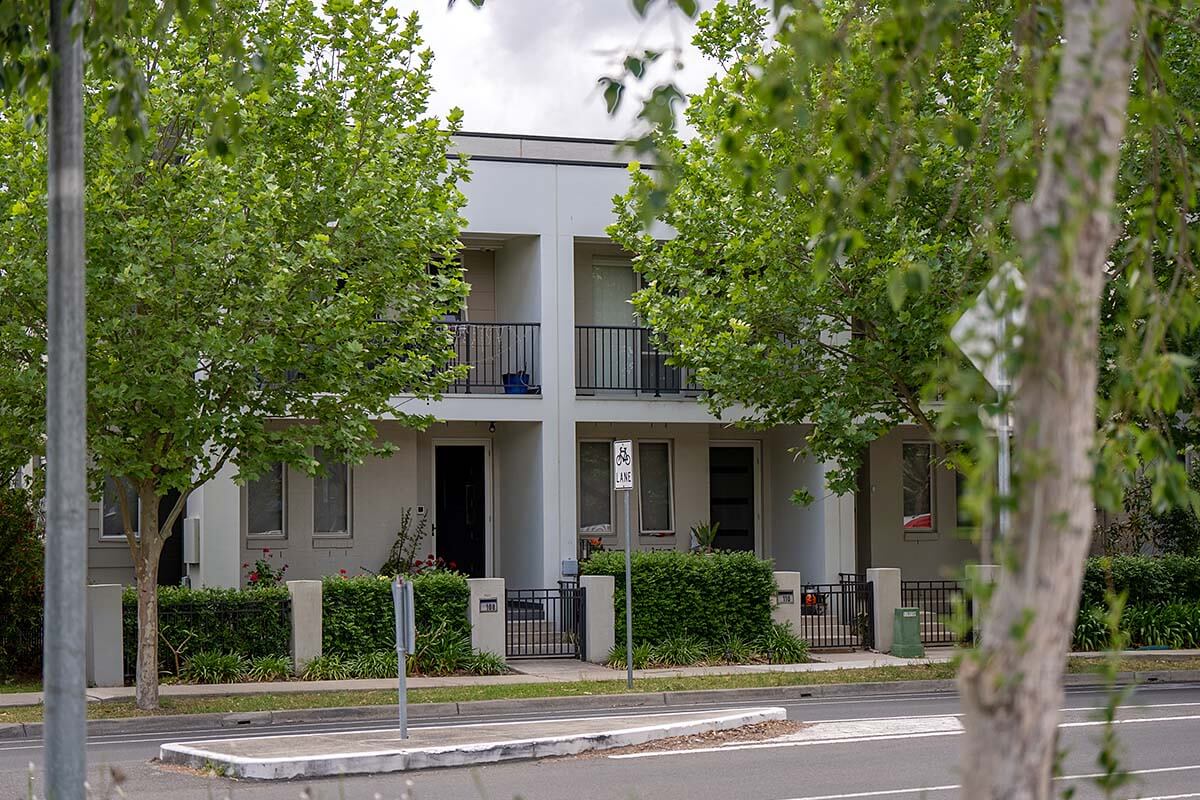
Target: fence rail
[837, 615]
[935, 599]
[545, 623]
[504, 357]
[626, 359]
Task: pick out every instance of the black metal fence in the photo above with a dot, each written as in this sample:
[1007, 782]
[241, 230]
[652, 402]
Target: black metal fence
[504, 357]
[837, 615]
[545, 623]
[936, 600]
[626, 359]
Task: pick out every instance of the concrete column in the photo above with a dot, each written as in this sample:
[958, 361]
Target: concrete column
[600, 633]
[886, 592]
[980, 576]
[486, 608]
[217, 504]
[306, 622]
[788, 599]
[105, 655]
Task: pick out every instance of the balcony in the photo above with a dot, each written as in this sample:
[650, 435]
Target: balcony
[624, 360]
[504, 357]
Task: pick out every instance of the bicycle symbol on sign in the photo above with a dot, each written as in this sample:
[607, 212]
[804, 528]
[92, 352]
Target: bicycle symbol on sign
[623, 458]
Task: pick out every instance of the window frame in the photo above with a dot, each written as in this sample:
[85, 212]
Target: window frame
[137, 515]
[283, 516]
[612, 495]
[931, 477]
[349, 532]
[642, 530]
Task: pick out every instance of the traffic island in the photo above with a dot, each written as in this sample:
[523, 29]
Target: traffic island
[378, 751]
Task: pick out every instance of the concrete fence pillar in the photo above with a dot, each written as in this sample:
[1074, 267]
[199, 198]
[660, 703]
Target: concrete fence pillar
[789, 599]
[980, 576]
[885, 590]
[105, 653]
[306, 622]
[600, 632]
[486, 608]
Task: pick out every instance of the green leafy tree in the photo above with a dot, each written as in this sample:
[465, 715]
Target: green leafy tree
[1071, 129]
[286, 278]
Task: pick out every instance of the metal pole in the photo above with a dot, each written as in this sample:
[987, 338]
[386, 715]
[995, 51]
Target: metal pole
[403, 695]
[628, 598]
[66, 424]
[1004, 468]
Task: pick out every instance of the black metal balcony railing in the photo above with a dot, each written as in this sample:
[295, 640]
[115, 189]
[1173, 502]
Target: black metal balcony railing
[626, 359]
[503, 357]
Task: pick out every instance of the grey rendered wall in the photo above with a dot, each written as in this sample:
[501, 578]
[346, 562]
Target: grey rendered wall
[480, 272]
[797, 532]
[919, 556]
[108, 559]
[518, 490]
[518, 281]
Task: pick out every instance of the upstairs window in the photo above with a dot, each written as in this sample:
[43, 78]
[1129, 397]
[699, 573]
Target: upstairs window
[331, 497]
[918, 486]
[265, 503]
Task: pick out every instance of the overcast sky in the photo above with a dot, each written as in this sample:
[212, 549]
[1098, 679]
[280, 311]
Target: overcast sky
[531, 66]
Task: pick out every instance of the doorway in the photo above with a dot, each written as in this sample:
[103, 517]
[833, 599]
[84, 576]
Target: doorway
[733, 495]
[460, 512]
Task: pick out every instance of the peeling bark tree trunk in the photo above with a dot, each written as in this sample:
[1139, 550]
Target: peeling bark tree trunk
[1012, 691]
[146, 553]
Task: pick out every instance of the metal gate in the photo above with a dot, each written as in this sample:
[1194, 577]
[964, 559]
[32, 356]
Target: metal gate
[838, 615]
[545, 623]
[936, 600]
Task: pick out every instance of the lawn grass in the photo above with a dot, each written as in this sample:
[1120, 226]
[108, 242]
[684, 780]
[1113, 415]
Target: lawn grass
[516, 691]
[18, 685]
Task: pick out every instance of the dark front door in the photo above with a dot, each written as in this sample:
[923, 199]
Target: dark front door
[170, 563]
[461, 511]
[731, 496]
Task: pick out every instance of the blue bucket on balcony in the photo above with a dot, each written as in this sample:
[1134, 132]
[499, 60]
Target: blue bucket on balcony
[516, 382]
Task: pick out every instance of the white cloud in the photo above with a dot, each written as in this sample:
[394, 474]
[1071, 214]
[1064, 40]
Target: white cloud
[532, 66]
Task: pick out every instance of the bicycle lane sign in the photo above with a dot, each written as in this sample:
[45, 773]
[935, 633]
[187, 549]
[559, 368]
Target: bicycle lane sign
[623, 465]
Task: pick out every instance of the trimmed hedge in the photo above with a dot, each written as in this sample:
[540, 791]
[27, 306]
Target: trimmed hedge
[21, 557]
[708, 597]
[249, 624]
[1147, 579]
[358, 618]
[1174, 625]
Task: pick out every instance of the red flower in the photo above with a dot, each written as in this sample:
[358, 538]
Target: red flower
[245, 566]
[453, 565]
[253, 577]
[430, 556]
[342, 571]
[266, 551]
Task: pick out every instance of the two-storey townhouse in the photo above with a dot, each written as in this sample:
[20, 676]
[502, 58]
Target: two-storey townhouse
[515, 478]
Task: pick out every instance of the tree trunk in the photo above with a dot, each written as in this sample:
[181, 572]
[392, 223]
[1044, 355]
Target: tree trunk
[1012, 687]
[145, 563]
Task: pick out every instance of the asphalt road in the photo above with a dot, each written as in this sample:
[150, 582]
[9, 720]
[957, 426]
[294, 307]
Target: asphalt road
[1159, 735]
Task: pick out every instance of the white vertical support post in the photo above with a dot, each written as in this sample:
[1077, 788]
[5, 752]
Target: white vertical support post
[885, 592]
[623, 483]
[600, 631]
[105, 655]
[307, 626]
[788, 600]
[486, 611]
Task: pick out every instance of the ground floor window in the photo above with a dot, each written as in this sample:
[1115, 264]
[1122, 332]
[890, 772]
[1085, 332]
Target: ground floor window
[595, 487]
[918, 486]
[265, 503]
[331, 496]
[654, 487]
[112, 525]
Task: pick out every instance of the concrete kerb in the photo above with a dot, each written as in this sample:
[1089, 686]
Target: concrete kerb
[534, 705]
[381, 751]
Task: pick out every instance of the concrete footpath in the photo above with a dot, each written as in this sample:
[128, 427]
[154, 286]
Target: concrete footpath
[378, 751]
[526, 671]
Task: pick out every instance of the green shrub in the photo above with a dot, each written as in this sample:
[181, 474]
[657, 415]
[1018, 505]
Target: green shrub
[444, 650]
[21, 560]
[358, 617]
[250, 624]
[678, 651]
[780, 645]
[488, 664]
[208, 666]
[1175, 625]
[327, 668]
[1146, 579]
[732, 649]
[707, 597]
[380, 664]
[641, 656]
[269, 668]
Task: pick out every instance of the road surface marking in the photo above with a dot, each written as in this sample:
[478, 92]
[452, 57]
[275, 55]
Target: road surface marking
[951, 787]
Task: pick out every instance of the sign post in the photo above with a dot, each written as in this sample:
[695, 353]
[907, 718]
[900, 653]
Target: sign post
[406, 641]
[623, 483]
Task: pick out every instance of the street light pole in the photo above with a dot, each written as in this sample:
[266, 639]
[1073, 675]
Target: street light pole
[66, 424]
